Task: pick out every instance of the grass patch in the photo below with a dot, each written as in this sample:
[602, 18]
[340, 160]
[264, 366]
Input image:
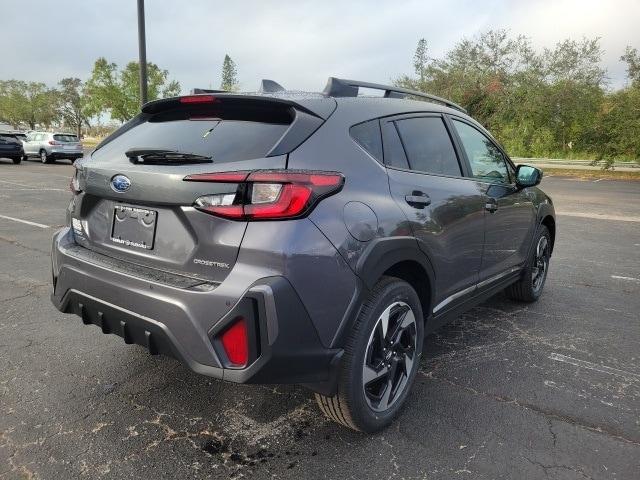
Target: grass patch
[592, 174]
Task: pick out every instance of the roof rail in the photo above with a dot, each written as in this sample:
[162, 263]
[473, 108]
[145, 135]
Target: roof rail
[339, 87]
[269, 86]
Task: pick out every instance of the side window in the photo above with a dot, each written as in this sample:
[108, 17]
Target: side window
[486, 160]
[512, 172]
[394, 155]
[367, 134]
[428, 146]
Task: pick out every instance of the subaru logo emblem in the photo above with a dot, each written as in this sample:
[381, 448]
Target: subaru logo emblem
[120, 183]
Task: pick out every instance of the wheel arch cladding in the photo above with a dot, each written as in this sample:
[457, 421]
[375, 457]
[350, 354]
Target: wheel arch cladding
[400, 257]
[549, 222]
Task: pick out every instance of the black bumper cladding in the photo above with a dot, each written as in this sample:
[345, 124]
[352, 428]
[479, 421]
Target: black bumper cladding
[134, 329]
[285, 347]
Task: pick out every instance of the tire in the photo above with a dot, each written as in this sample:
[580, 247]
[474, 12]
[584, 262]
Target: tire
[17, 160]
[530, 286]
[362, 406]
[25, 158]
[44, 158]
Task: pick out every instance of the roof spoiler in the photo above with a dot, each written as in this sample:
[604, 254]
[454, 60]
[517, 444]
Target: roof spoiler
[339, 87]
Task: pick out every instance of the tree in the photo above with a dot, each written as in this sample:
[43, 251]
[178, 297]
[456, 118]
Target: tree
[420, 59]
[537, 103]
[632, 59]
[117, 91]
[73, 104]
[27, 102]
[229, 75]
[616, 133]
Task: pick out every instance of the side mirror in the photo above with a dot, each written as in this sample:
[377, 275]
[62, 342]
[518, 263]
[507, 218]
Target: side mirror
[528, 176]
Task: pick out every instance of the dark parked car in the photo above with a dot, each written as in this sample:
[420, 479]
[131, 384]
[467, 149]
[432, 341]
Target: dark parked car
[11, 147]
[315, 239]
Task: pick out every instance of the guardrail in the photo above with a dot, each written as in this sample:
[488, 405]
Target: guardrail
[569, 163]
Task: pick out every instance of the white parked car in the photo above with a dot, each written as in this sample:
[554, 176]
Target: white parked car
[50, 147]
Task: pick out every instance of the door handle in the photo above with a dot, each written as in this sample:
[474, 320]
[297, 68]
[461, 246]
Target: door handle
[491, 205]
[418, 199]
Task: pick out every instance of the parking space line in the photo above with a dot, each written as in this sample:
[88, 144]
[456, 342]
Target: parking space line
[39, 225]
[593, 366]
[35, 190]
[33, 187]
[600, 216]
[631, 279]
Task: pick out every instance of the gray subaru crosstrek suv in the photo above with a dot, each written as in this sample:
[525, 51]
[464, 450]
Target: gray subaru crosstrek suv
[281, 237]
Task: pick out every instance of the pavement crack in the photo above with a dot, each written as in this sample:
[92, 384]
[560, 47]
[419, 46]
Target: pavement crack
[553, 434]
[549, 414]
[546, 468]
[16, 243]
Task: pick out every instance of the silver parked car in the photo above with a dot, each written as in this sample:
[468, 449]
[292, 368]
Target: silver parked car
[50, 147]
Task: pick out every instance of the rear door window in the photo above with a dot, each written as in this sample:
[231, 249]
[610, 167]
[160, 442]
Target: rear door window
[394, 155]
[225, 136]
[428, 146]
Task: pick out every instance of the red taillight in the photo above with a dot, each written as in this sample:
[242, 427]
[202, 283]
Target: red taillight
[53, 142]
[267, 194]
[198, 99]
[235, 342]
[291, 202]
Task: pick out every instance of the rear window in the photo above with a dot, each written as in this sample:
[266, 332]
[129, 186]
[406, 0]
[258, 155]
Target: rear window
[8, 137]
[226, 136]
[65, 138]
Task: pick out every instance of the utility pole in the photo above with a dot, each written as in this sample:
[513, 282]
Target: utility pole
[142, 53]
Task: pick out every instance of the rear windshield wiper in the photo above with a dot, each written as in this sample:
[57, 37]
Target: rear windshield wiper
[163, 156]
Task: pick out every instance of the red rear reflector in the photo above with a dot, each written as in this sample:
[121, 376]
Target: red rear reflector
[198, 99]
[236, 342]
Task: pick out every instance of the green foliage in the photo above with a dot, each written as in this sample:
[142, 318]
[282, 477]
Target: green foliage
[117, 91]
[229, 75]
[632, 59]
[29, 103]
[72, 104]
[537, 103]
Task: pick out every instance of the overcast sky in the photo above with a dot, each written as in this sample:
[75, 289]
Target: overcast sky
[297, 43]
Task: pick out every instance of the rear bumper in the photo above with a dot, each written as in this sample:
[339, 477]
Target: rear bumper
[178, 320]
[11, 153]
[62, 154]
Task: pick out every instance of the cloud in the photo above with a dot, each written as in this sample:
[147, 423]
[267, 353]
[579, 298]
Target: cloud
[297, 43]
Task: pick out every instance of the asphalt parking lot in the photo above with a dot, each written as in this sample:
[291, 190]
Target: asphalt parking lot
[548, 390]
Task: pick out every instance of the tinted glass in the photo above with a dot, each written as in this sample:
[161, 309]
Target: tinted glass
[428, 146]
[367, 134]
[487, 161]
[224, 140]
[394, 155]
[65, 138]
